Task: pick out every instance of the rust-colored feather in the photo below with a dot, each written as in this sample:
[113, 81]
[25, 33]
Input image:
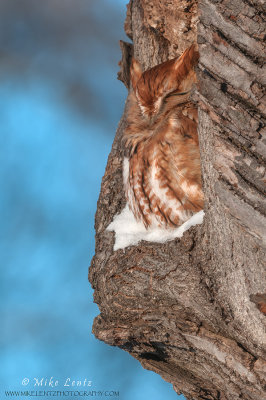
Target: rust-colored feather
[163, 181]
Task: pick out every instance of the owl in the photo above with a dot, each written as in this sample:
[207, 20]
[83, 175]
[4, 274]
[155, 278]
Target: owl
[162, 176]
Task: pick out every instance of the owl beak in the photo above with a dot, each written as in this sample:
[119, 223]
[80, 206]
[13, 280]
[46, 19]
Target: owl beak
[151, 117]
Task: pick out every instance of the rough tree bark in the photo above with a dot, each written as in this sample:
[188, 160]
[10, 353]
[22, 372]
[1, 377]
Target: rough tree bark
[192, 309]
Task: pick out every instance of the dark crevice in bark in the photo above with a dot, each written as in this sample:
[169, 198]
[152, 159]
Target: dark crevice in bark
[228, 89]
[238, 141]
[254, 5]
[258, 186]
[242, 195]
[257, 60]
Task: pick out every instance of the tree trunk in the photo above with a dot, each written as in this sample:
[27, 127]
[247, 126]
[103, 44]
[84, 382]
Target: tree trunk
[193, 309]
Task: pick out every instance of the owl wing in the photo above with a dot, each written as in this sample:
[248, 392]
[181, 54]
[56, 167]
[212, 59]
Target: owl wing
[146, 198]
[184, 162]
[137, 196]
[149, 189]
[173, 179]
[164, 184]
[166, 197]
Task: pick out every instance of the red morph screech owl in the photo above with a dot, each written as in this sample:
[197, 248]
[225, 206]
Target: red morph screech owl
[162, 175]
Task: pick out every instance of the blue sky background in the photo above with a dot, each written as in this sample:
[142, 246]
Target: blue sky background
[60, 104]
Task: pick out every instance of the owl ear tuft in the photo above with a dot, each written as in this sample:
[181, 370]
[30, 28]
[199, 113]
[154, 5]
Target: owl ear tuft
[188, 59]
[135, 72]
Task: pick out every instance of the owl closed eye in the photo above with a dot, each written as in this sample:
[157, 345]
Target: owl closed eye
[162, 177]
[158, 85]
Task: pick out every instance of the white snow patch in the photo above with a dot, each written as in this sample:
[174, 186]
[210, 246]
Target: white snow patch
[129, 232]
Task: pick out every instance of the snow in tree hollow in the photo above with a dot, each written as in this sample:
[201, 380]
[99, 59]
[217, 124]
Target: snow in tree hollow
[129, 231]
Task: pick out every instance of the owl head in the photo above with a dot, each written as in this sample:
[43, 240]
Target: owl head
[168, 83]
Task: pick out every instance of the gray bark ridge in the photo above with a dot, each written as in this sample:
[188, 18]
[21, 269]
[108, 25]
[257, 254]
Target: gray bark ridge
[192, 309]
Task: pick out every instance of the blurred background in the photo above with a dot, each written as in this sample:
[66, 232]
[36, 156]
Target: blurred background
[60, 104]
